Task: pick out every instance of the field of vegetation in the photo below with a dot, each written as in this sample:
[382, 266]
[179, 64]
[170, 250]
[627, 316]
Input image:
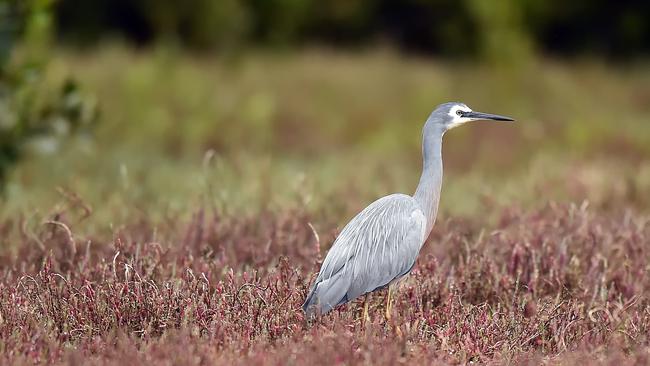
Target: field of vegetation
[186, 228]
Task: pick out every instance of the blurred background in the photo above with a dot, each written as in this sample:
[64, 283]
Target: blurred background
[154, 108]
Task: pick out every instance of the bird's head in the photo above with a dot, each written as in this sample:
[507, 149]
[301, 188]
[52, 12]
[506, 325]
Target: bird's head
[454, 114]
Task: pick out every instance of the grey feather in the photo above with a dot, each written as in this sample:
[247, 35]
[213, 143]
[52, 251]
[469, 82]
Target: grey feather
[393, 225]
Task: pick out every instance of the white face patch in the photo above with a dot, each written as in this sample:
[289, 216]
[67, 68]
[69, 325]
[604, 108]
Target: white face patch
[457, 120]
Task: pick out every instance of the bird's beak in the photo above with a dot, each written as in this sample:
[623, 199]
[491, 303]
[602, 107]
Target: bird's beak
[486, 116]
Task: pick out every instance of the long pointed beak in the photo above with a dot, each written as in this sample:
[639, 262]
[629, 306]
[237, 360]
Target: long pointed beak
[493, 117]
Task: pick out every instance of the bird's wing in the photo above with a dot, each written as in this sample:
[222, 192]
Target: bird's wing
[379, 245]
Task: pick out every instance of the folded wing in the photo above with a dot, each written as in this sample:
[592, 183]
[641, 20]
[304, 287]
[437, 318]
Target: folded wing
[377, 246]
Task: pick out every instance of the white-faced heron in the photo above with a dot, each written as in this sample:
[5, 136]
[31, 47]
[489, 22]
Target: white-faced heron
[382, 242]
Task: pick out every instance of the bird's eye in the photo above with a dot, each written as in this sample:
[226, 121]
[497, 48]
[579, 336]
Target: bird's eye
[459, 112]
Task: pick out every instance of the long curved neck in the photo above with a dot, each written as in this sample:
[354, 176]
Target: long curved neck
[427, 193]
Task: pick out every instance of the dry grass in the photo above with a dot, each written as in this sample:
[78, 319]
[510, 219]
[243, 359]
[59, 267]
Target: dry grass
[558, 284]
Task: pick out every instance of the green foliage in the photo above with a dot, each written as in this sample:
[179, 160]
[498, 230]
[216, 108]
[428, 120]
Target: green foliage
[503, 38]
[205, 23]
[31, 115]
[507, 28]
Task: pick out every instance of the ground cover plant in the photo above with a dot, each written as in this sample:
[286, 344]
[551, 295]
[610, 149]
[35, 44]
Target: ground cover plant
[557, 284]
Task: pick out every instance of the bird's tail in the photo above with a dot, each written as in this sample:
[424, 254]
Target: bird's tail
[308, 306]
[325, 295]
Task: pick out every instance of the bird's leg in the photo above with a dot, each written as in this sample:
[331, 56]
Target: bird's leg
[364, 316]
[389, 303]
[389, 312]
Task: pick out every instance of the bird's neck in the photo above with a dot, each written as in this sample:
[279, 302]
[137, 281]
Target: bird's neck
[427, 193]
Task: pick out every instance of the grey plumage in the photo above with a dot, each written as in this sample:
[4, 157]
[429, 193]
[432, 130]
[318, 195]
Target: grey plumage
[381, 243]
[372, 250]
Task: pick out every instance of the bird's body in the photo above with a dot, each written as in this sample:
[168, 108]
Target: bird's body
[361, 257]
[380, 244]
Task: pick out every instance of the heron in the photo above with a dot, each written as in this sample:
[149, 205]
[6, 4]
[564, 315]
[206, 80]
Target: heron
[380, 245]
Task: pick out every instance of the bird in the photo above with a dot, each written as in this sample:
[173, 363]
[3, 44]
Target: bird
[380, 245]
